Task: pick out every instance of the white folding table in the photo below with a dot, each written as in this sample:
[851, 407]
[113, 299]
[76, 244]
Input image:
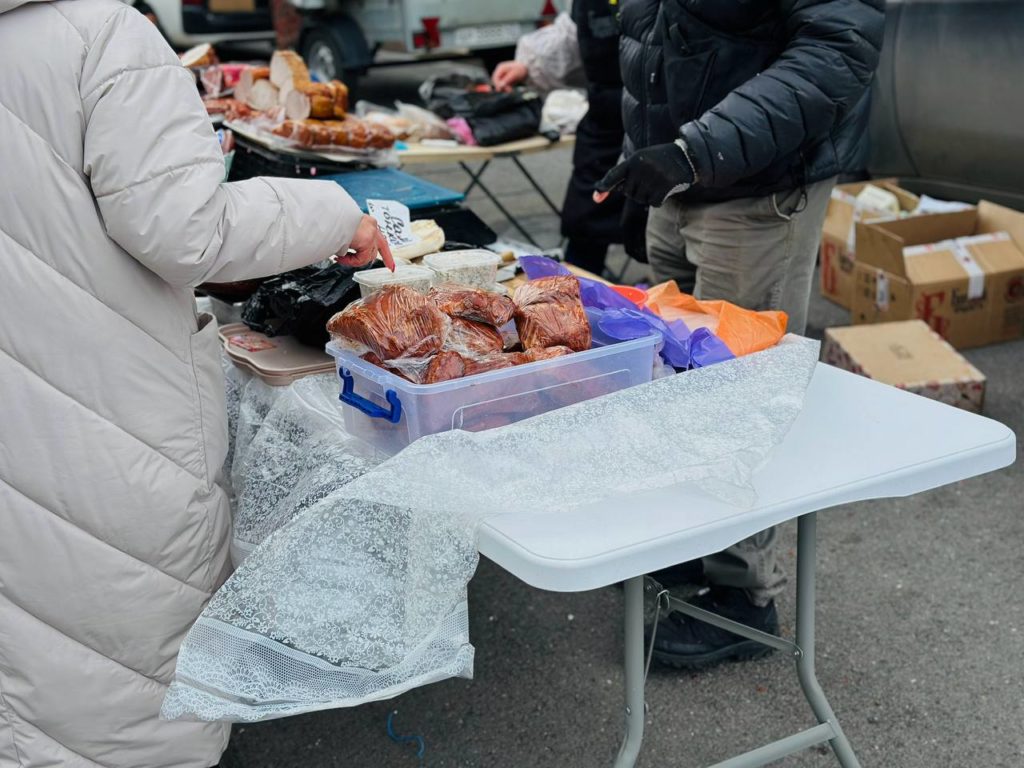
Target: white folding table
[855, 439]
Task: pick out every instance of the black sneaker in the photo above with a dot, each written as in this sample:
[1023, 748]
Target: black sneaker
[687, 643]
[690, 573]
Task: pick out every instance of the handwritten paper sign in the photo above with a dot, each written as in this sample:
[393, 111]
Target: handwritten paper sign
[393, 219]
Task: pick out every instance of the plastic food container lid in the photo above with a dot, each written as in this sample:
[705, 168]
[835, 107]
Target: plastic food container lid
[404, 273]
[448, 260]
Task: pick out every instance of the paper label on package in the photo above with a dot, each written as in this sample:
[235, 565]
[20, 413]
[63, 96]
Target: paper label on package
[393, 219]
[881, 290]
[250, 342]
[975, 274]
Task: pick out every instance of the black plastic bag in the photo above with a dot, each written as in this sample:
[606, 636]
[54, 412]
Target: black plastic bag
[494, 118]
[299, 303]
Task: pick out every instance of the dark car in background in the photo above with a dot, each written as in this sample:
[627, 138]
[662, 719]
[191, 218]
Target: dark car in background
[948, 110]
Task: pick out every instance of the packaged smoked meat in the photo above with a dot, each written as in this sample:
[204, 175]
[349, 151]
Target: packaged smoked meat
[537, 354]
[473, 304]
[396, 322]
[474, 339]
[549, 313]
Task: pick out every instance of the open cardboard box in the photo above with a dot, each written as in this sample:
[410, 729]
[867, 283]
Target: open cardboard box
[962, 273]
[838, 239]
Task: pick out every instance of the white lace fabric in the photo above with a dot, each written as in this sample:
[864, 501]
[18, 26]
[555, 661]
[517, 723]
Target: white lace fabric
[355, 588]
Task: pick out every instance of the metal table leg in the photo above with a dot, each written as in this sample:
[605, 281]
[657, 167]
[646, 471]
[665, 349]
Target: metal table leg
[474, 176]
[476, 182]
[807, 550]
[827, 729]
[634, 668]
[554, 208]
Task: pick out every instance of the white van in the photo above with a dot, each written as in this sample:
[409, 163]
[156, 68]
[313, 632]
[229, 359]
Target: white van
[341, 38]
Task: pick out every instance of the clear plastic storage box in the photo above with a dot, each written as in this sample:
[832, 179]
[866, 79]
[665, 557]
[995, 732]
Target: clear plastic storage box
[475, 268]
[372, 281]
[390, 412]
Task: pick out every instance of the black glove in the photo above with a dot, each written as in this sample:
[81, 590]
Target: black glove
[634, 230]
[650, 175]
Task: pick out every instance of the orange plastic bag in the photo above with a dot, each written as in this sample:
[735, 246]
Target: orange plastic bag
[742, 330]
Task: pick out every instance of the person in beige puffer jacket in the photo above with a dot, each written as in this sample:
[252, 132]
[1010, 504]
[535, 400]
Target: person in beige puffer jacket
[113, 528]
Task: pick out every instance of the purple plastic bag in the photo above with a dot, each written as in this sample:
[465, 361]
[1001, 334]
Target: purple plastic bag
[621, 319]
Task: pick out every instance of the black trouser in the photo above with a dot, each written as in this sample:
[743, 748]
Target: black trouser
[591, 227]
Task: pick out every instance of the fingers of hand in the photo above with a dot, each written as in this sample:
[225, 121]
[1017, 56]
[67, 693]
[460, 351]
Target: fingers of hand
[613, 178]
[385, 251]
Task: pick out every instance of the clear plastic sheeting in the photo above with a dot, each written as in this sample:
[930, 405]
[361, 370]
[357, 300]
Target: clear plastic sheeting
[359, 593]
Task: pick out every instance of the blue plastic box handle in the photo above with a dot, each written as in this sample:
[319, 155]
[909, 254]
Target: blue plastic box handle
[371, 409]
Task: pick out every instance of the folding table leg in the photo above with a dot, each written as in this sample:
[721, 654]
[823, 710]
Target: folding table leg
[474, 176]
[634, 668]
[806, 555]
[554, 208]
[476, 182]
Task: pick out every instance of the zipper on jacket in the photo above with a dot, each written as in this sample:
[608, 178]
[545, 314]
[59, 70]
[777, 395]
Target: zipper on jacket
[652, 78]
[647, 86]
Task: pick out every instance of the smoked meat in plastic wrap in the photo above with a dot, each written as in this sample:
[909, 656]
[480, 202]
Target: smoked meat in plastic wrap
[474, 339]
[396, 322]
[549, 313]
[544, 353]
[445, 366]
[494, 362]
[473, 304]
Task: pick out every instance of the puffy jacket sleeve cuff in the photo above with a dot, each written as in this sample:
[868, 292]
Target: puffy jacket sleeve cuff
[699, 154]
[320, 220]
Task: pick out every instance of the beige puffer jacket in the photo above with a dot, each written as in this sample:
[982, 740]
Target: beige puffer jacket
[113, 530]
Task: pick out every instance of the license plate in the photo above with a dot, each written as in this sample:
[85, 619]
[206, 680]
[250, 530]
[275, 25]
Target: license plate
[487, 36]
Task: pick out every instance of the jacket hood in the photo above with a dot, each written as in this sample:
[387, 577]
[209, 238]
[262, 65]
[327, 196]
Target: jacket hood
[10, 5]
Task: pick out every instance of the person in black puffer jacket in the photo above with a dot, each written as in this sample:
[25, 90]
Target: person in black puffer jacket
[739, 115]
[581, 49]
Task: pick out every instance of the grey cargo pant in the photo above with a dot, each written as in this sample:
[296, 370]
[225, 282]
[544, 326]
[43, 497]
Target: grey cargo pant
[758, 253]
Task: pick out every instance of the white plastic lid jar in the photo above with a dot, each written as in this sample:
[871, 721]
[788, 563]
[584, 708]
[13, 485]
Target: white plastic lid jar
[371, 281]
[475, 268]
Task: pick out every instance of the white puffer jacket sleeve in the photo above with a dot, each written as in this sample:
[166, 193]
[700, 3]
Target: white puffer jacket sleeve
[155, 169]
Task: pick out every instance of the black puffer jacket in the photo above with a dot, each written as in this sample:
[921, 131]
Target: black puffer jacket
[768, 94]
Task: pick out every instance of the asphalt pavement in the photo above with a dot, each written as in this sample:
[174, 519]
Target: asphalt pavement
[920, 622]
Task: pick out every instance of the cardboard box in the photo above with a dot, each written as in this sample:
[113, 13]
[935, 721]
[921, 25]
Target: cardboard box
[962, 273]
[908, 355]
[838, 236]
[232, 6]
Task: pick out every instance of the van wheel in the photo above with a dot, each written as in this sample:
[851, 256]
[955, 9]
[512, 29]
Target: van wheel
[335, 49]
[492, 57]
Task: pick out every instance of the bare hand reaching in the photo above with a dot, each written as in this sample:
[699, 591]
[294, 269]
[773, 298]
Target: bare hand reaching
[508, 74]
[367, 243]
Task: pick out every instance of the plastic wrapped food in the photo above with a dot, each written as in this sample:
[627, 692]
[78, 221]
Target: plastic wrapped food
[474, 268]
[372, 281]
[549, 313]
[474, 339]
[349, 132]
[543, 353]
[494, 362]
[445, 366]
[473, 304]
[397, 322]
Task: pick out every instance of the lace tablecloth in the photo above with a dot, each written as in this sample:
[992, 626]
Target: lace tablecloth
[353, 567]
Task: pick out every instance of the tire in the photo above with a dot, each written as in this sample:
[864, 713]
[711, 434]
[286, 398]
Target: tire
[335, 49]
[492, 57]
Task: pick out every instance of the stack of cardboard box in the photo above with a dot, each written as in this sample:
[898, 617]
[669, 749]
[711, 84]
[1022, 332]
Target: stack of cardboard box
[838, 240]
[962, 273]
